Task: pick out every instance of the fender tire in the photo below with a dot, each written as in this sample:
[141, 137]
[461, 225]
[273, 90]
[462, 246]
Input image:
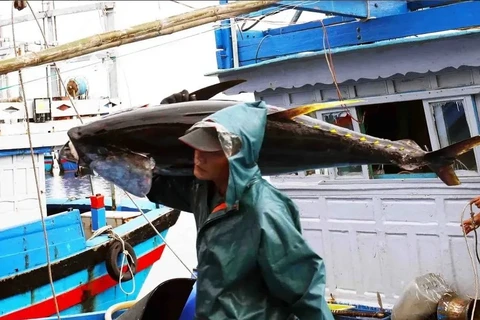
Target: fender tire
[113, 269]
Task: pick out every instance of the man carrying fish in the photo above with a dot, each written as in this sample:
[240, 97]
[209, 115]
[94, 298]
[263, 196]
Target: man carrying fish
[253, 262]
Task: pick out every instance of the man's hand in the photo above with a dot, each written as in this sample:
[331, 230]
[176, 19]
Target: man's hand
[467, 224]
[476, 201]
[181, 96]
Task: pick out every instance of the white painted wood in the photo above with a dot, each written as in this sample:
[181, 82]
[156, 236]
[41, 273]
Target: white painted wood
[18, 193]
[378, 236]
[85, 108]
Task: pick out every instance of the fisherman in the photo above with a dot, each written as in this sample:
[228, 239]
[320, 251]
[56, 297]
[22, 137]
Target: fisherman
[253, 262]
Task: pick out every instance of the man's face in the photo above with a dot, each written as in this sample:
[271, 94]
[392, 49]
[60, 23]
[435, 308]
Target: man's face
[210, 165]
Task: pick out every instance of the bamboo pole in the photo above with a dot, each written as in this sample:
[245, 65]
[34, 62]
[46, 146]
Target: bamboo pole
[133, 34]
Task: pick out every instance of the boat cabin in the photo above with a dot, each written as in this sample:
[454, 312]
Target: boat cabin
[376, 226]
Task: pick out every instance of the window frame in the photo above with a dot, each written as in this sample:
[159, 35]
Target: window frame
[472, 121]
[471, 102]
[471, 105]
[332, 172]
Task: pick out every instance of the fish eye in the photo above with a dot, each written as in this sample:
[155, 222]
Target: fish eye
[102, 151]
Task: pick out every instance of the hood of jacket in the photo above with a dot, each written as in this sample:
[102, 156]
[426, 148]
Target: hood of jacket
[240, 129]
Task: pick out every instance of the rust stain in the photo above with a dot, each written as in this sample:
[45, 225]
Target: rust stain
[88, 300]
[27, 261]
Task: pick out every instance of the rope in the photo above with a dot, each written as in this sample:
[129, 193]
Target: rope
[126, 54]
[215, 28]
[107, 228]
[474, 266]
[57, 70]
[37, 184]
[112, 234]
[158, 233]
[329, 59]
[115, 236]
[133, 201]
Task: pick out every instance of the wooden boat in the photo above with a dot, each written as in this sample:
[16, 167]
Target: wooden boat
[84, 266]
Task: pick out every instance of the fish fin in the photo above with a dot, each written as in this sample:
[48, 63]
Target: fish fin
[441, 161]
[302, 110]
[211, 91]
[447, 174]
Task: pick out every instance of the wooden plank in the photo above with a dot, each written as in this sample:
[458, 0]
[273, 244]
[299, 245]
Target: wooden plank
[310, 36]
[133, 34]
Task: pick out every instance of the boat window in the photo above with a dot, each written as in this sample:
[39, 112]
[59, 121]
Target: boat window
[313, 172]
[451, 126]
[345, 120]
[432, 124]
[396, 121]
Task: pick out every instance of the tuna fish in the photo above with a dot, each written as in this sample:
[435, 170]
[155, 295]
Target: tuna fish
[128, 148]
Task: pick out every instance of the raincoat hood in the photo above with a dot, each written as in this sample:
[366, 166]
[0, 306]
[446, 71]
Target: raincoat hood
[240, 129]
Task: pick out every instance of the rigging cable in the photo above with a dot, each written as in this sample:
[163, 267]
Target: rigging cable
[133, 201]
[474, 266]
[27, 119]
[57, 71]
[214, 28]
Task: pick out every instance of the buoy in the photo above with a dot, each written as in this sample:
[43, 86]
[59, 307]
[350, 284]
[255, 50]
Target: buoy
[77, 86]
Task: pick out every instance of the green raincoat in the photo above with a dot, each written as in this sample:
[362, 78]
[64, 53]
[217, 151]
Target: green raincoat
[253, 262]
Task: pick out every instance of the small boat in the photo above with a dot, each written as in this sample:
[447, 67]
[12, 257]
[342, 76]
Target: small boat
[85, 265]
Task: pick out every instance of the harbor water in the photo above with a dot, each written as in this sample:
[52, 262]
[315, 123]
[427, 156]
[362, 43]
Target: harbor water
[69, 186]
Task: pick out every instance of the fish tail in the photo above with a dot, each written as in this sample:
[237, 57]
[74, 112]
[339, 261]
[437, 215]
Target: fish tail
[441, 161]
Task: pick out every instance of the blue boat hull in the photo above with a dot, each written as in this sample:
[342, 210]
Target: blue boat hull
[82, 281]
[173, 299]
[68, 166]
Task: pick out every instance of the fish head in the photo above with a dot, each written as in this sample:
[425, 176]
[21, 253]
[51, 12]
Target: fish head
[130, 171]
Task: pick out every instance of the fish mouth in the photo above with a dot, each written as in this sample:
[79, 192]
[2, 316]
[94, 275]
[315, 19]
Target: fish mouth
[130, 171]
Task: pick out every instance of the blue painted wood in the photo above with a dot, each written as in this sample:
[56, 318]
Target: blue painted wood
[122, 205]
[421, 4]
[114, 295]
[223, 40]
[105, 299]
[128, 227]
[14, 152]
[345, 9]
[99, 218]
[309, 36]
[23, 247]
[69, 166]
[405, 176]
[349, 8]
